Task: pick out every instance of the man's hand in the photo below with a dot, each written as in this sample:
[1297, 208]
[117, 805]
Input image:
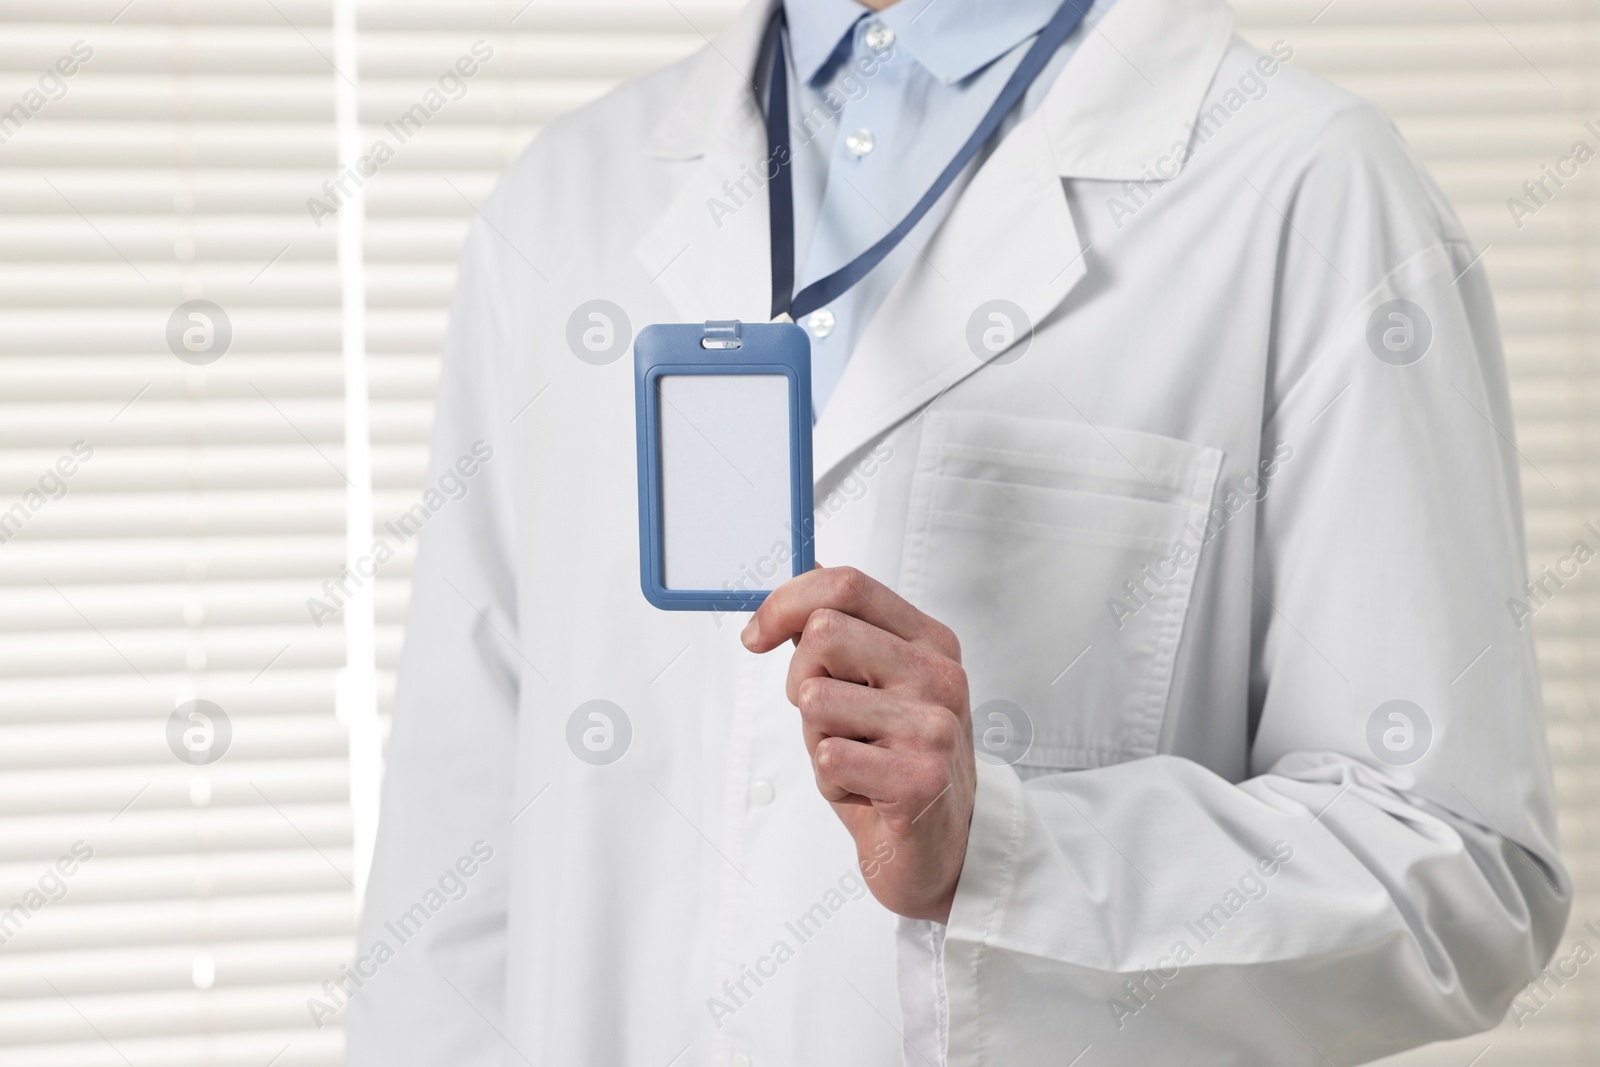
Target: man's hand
[883, 701]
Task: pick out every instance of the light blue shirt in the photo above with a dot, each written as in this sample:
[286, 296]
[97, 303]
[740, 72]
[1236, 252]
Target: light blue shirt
[880, 103]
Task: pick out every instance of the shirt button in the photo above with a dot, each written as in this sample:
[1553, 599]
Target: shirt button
[761, 793]
[860, 142]
[740, 1060]
[878, 37]
[821, 322]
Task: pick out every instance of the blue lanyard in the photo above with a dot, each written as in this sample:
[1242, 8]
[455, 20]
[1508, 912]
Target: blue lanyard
[780, 191]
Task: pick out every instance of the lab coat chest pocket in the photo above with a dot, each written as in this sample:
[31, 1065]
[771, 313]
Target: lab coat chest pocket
[1024, 536]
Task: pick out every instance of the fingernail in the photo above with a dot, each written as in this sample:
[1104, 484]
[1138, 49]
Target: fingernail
[752, 633]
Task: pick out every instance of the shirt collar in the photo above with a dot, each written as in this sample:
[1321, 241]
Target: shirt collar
[816, 28]
[955, 38]
[1106, 121]
[952, 39]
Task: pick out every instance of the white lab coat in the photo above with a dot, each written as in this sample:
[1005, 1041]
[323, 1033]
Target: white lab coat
[1202, 857]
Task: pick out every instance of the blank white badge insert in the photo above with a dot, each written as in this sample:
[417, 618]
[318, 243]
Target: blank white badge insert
[725, 493]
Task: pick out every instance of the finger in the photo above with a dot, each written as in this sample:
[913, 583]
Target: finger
[901, 782]
[831, 708]
[784, 613]
[835, 645]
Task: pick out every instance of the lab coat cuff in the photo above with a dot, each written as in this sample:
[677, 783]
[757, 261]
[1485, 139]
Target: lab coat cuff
[923, 1007]
[988, 875]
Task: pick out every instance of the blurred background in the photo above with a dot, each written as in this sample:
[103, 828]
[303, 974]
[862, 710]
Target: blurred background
[217, 357]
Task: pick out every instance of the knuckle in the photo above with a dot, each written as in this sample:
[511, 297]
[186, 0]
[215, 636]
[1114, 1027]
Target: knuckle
[953, 677]
[848, 584]
[817, 701]
[923, 731]
[946, 678]
[823, 626]
[942, 730]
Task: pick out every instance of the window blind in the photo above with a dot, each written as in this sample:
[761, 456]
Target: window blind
[182, 535]
[192, 155]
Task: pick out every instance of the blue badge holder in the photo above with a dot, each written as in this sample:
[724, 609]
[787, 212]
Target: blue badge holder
[664, 351]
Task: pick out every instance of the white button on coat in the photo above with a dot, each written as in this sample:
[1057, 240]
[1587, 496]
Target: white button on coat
[1243, 524]
[821, 322]
[878, 37]
[860, 142]
[761, 793]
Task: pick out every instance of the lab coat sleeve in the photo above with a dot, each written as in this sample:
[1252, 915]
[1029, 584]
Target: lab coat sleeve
[1339, 904]
[433, 928]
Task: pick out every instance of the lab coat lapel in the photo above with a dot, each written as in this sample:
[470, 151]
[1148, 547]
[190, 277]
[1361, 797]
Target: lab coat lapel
[708, 252]
[1010, 237]
[1125, 98]
[1122, 100]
